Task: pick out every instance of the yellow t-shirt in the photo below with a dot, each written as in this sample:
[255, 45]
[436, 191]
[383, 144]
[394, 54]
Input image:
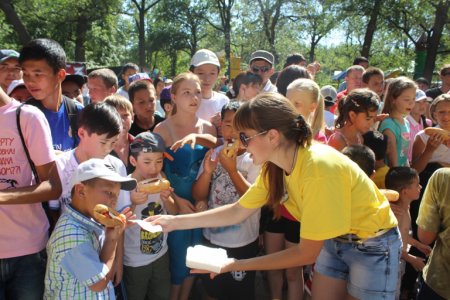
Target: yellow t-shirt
[330, 195]
[434, 216]
[380, 176]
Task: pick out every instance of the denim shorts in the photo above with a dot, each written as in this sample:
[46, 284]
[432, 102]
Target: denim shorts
[370, 268]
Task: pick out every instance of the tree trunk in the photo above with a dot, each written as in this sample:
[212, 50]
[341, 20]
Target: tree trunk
[14, 20]
[371, 28]
[173, 64]
[440, 19]
[228, 47]
[141, 27]
[80, 39]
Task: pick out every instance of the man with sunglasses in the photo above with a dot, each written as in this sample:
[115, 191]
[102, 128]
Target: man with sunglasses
[261, 63]
[444, 74]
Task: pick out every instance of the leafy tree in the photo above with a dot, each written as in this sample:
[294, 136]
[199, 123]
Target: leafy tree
[142, 7]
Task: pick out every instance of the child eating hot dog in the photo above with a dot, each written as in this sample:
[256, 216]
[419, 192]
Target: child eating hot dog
[146, 259]
[80, 251]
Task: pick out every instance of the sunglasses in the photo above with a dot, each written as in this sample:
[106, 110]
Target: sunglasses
[260, 69]
[446, 73]
[244, 139]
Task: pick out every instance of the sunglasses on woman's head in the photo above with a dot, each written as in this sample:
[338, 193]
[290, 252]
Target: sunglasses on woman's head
[244, 139]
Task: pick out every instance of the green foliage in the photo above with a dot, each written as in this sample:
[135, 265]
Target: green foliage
[177, 28]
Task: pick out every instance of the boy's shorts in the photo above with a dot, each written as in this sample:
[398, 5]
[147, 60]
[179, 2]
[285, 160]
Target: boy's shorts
[148, 282]
[370, 268]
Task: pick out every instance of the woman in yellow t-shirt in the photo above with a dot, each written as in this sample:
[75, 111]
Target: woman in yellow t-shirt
[347, 227]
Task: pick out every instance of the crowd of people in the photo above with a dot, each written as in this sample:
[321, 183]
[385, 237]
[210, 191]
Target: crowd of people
[288, 177]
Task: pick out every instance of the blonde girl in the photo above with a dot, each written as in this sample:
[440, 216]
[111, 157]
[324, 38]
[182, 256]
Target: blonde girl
[358, 112]
[432, 149]
[398, 103]
[182, 172]
[305, 96]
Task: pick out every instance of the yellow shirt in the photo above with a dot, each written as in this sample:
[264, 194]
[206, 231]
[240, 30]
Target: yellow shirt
[434, 216]
[380, 176]
[330, 195]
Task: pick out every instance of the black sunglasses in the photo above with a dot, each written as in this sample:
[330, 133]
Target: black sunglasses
[260, 69]
[244, 139]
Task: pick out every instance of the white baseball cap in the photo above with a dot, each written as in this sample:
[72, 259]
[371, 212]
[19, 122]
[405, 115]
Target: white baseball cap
[420, 95]
[204, 56]
[99, 168]
[14, 85]
[329, 94]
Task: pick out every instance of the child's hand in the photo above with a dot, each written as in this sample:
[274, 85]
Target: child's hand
[138, 197]
[210, 164]
[425, 249]
[164, 195]
[417, 263]
[216, 120]
[189, 139]
[434, 141]
[228, 163]
[201, 206]
[184, 206]
[381, 117]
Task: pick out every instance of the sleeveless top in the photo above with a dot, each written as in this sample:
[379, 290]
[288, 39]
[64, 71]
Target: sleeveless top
[182, 171]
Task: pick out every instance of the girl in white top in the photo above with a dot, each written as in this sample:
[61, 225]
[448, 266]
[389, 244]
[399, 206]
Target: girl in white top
[428, 149]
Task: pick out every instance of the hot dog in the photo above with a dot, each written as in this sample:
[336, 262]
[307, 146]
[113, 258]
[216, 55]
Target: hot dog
[230, 148]
[153, 186]
[108, 216]
[445, 134]
[391, 195]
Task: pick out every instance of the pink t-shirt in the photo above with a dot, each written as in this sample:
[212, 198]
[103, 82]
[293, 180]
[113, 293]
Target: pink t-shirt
[414, 128]
[24, 227]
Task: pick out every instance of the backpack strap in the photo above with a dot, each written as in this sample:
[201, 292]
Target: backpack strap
[72, 113]
[19, 128]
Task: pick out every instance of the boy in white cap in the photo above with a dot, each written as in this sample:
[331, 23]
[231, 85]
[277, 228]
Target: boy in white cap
[261, 63]
[81, 252]
[18, 90]
[206, 66]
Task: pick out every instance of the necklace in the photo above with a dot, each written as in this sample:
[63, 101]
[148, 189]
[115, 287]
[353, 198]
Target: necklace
[286, 194]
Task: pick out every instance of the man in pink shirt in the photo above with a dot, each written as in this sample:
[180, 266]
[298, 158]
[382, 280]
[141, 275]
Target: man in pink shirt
[24, 225]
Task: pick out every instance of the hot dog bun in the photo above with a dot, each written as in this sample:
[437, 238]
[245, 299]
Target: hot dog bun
[108, 216]
[153, 186]
[230, 148]
[391, 195]
[442, 132]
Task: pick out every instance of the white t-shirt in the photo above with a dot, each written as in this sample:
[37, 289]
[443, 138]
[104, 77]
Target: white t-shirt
[222, 192]
[441, 154]
[269, 87]
[121, 91]
[67, 164]
[143, 247]
[209, 107]
[329, 118]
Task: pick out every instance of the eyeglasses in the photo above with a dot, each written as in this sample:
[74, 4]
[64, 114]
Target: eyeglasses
[260, 69]
[244, 139]
[12, 70]
[446, 73]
